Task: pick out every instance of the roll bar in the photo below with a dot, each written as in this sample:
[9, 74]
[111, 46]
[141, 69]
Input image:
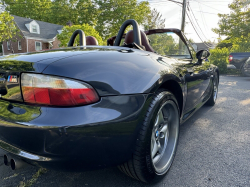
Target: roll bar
[81, 36]
[137, 33]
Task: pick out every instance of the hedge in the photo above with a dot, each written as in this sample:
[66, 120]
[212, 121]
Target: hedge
[219, 57]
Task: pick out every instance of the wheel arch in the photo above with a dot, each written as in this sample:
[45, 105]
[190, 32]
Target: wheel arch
[175, 88]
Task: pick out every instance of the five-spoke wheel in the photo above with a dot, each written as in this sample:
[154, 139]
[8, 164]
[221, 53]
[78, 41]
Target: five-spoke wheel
[164, 136]
[157, 141]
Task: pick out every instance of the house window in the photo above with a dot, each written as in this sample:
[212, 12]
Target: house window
[34, 28]
[8, 45]
[38, 46]
[19, 45]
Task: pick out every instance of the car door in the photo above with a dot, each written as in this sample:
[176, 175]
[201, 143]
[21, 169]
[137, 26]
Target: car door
[171, 43]
[198, 81]
[196, 76]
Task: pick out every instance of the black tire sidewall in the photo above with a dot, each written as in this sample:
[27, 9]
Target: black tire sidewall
[242, 70]
[161, 98]
[217, 87]
[211, 101]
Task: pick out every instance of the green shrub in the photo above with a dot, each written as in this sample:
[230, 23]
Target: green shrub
[240, 45]
[219, 57]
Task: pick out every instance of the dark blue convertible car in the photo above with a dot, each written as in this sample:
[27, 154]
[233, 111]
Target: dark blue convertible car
[88, 107]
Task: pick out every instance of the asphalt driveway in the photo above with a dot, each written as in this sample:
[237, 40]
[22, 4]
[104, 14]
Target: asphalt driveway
[214, 150]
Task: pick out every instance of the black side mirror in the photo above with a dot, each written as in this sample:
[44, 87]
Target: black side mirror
[201, 55]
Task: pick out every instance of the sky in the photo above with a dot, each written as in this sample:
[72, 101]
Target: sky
[203, 13]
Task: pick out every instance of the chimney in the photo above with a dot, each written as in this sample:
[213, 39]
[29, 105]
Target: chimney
[69, 23]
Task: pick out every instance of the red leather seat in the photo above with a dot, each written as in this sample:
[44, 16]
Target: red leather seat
[129, 38]
[90, 40]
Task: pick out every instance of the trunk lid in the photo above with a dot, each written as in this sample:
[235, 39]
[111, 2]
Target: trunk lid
[12, 66]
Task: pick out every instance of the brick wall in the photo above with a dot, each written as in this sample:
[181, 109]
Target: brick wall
[45, 46]
[14, 46]
[31, 45]
[56, 44]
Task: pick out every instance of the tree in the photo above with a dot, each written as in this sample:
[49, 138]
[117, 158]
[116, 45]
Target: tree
[7, 26]
[235, 26]
[38, 10]
[225, 43]
[76, 11]
[112, 14]
[154, 21]
[67, 31]
[56, 11]
[87, 12]
[105, 15]
[62, 11]
[163, 43]
[191, 40]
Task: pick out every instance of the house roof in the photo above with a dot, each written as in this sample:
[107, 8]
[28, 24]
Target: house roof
[201, 46]
[47, 30]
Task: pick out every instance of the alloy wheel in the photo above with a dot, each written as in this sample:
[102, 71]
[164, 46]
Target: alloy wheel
[164, 137]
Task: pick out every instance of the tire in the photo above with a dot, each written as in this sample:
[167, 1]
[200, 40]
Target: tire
[157, 141]
[242, 70]
[213, 97]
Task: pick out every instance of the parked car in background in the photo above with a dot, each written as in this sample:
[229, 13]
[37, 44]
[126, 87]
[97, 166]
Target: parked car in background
[240, 61]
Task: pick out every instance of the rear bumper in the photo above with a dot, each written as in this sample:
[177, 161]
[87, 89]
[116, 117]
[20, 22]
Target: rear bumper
[86, 137]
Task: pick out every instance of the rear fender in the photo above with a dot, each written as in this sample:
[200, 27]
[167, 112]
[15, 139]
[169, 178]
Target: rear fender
[176, 87]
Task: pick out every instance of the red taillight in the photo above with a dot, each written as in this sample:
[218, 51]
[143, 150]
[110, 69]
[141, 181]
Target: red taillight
[230, 58]
[56, 91]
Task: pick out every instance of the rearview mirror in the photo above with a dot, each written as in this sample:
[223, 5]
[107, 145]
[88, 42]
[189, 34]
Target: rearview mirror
[201, 55]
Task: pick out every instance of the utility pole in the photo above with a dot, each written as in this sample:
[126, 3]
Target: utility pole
[184, 7]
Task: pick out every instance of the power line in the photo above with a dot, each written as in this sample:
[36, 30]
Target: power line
[210, 6]
[206, 12]
[202, 17]
[164, 1]
[197, 22]
[160, 2]
[193, 25]
[197, 32]
[210, 1]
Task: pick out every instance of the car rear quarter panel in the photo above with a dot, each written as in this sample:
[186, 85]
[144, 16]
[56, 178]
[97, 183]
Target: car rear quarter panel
[113, 72]
[84, 137]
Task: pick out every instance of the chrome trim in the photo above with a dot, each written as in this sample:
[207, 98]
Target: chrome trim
[16, 151]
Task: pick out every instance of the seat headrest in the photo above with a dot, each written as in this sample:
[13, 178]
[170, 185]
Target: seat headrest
[129, 38]
[90, 40]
